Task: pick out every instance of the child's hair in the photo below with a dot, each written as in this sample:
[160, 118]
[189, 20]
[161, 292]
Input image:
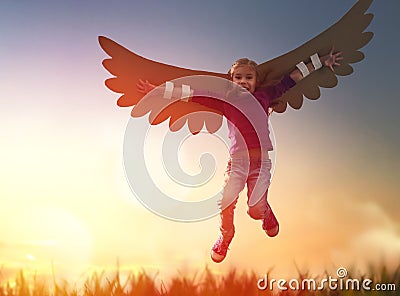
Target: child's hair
[244, 62]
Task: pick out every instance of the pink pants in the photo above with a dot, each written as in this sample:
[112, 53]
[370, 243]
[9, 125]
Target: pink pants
[254, 172]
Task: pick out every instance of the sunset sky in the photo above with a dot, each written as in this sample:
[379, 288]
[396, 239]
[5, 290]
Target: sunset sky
[64, 197]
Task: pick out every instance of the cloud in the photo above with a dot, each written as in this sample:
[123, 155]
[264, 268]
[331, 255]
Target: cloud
[376, 241]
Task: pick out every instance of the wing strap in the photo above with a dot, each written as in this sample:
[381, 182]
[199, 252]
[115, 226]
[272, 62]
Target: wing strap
[185, 91]
[169, 88]
[303, 69]
[316, 61]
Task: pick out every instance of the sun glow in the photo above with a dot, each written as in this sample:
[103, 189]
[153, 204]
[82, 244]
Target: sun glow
[43, 237]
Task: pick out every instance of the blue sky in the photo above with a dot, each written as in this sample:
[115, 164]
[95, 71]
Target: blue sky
[200, 34]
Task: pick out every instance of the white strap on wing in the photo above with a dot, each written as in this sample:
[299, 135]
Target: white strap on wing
[185, 92]
[169, 88]
[303, 69]
[316, 61]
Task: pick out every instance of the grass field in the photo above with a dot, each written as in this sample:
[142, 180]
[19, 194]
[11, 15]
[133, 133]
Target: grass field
[203, 283]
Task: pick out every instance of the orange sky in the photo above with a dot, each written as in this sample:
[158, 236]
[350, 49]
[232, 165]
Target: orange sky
[84, 216]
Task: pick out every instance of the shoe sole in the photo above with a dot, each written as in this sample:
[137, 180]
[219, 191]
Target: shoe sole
[214, 259]
[273, 232]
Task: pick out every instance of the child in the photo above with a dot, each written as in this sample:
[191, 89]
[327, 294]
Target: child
[249, 162]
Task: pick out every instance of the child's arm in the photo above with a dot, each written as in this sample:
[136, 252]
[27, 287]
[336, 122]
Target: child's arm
[174, 92]
[184, 92]
[330, 60]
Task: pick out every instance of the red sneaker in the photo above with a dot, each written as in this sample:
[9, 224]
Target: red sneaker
[270, 224]
[219, 250]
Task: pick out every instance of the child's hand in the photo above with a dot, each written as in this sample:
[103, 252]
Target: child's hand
[270, 110]
[144, 87]
[331, 59]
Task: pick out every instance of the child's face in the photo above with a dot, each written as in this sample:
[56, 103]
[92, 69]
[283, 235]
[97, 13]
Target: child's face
[245, 76]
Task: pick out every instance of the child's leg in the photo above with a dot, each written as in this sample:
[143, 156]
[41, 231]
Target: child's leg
[235, 179]
[257, 192]
[258, 183]
[259, 210]
[227, 226]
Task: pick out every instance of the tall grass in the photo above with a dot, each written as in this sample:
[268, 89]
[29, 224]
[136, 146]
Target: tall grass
[205, 283]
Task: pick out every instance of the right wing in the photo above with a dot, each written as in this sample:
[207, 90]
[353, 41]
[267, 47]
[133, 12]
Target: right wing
[128, 67]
